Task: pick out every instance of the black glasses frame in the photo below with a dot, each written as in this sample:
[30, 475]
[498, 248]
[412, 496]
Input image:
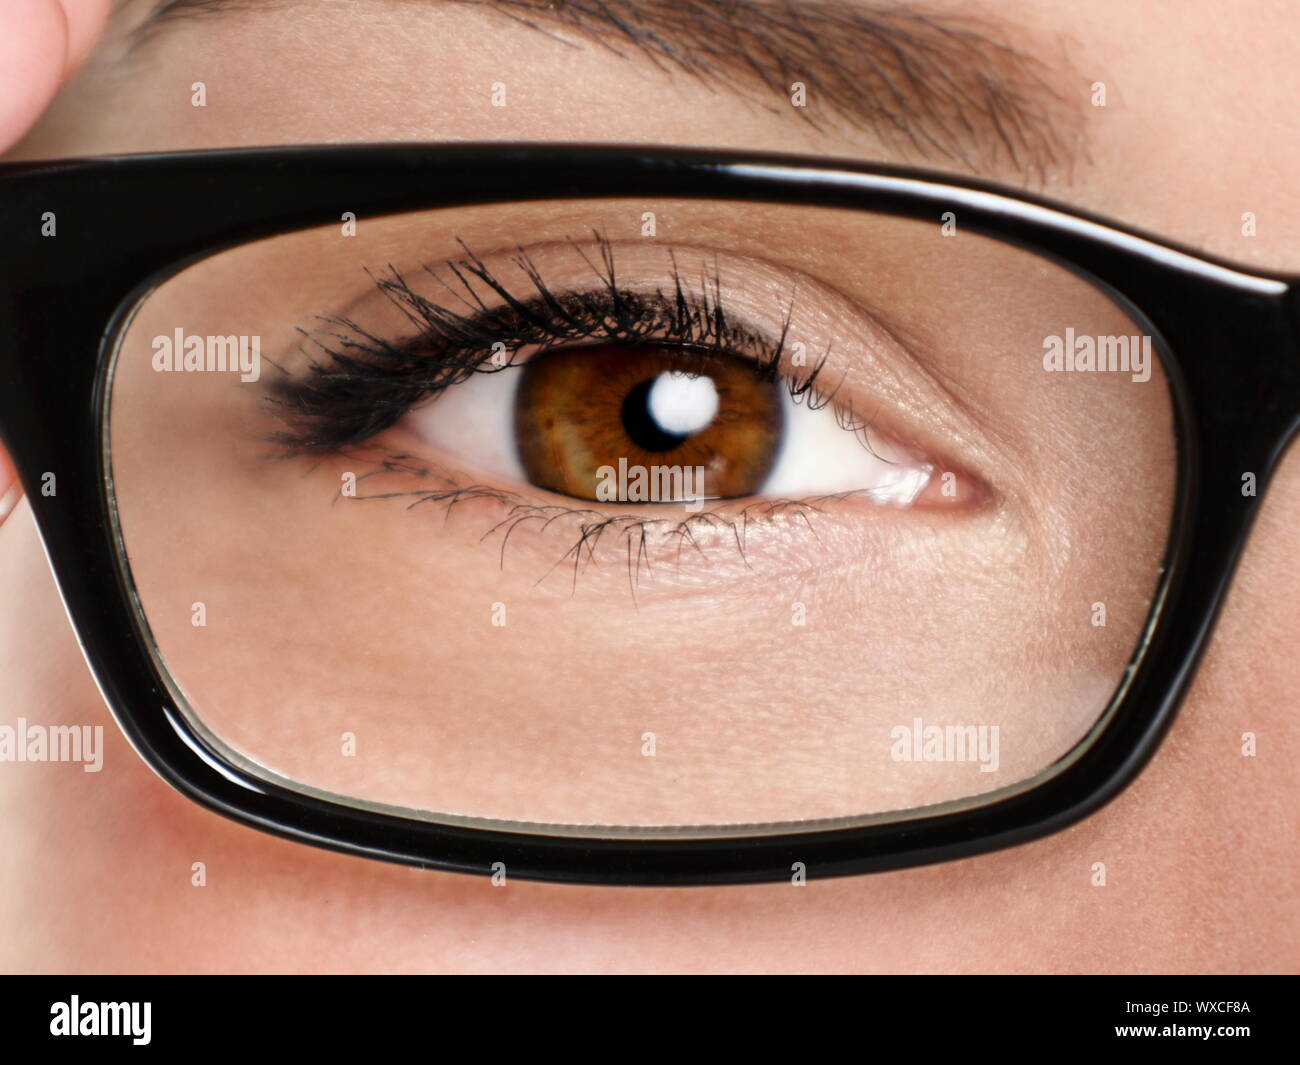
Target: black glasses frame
[1229, 338]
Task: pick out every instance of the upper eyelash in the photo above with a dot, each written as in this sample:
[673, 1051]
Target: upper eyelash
[359, 384]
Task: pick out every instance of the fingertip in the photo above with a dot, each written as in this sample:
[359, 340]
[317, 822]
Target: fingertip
[85, 21]
[10, 490]
[33, 58]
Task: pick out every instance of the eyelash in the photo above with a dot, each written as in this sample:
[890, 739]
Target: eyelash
[592, 525]
[359, 384]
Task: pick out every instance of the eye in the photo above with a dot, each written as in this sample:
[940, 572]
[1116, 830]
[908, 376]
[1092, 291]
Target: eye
[676, 378]
[657, 423]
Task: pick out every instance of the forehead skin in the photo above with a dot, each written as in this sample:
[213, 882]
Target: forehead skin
[1198, 128]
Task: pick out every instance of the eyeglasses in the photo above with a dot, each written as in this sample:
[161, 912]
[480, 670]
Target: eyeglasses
[626, 515]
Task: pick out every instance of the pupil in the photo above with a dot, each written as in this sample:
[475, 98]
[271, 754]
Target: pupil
[642, 425]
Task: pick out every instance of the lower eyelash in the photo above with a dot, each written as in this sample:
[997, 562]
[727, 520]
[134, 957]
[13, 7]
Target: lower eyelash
[593, 526]
[358, 384]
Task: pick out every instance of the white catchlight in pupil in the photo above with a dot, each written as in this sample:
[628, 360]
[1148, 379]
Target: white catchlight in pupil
[682, 404]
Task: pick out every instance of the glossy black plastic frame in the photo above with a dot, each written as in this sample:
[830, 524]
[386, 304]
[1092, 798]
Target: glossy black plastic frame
[1229, 338]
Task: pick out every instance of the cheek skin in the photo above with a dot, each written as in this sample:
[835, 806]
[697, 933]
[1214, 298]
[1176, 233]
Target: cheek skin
[1201, 830]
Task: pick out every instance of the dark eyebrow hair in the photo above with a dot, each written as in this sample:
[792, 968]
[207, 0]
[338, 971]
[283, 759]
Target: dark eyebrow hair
[932, 86]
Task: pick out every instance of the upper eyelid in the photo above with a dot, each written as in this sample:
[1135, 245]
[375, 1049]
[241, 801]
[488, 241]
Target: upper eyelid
[886, 361]
[299, 397]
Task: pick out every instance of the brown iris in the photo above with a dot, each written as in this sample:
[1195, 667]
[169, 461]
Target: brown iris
[579, 411]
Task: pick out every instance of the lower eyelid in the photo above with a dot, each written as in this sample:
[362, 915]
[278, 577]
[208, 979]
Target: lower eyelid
[556, 543]
[400, 465]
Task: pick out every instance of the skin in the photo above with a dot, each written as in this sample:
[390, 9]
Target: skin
[1199, 851]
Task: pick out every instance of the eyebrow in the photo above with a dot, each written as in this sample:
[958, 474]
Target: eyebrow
[930, 86]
